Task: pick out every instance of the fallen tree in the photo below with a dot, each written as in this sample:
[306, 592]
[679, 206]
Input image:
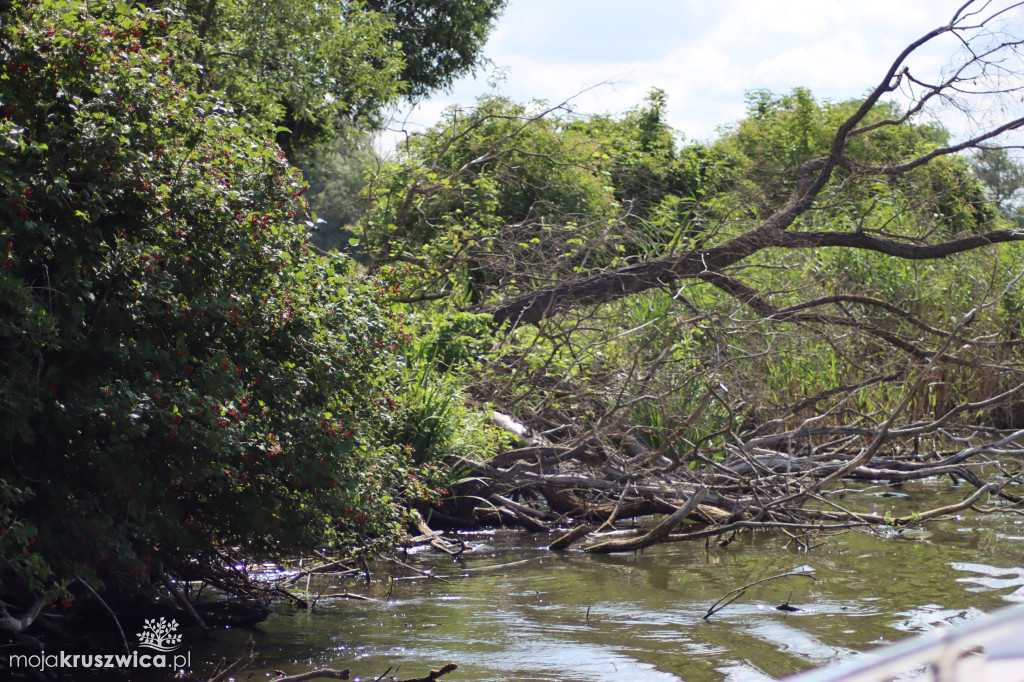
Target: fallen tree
[779, 320]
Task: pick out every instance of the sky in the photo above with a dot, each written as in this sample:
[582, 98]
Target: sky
[705, 54]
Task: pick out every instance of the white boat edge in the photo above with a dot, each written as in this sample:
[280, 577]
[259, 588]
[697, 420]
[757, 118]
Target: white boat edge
[989, 649]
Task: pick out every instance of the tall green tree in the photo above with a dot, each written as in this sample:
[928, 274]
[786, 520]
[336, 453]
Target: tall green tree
[321, 68]
[311, 67]
[666, 189]
[1004, 181]
[504, 196]
[440, 40]
[486, 196]
[782, 132]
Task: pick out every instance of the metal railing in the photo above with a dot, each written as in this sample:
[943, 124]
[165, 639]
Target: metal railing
[990, 649]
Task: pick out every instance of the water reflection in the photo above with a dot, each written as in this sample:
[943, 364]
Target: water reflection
[993, 578]
[511, 611]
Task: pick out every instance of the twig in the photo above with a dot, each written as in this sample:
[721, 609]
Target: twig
[425, 574]
[950, 509]
[322, 673]
[113, 615]
[442, 546]
[180, 598]
[241, 662]
[433, 675]
[323, 568]
[344, 595]
[572, 536]
[615, 512]
[733, 595]
[299, 601]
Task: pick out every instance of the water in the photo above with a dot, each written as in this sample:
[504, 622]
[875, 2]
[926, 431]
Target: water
[510, 609]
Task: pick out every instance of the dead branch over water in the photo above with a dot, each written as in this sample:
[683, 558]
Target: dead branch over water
[753, 488]
[777, 469]
[782, 479]
[735, 594]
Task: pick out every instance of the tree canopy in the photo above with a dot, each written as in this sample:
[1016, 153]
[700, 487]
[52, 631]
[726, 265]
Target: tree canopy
[318, 68]
[440, 40]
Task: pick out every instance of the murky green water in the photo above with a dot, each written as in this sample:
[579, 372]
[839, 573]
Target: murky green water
[510, 609]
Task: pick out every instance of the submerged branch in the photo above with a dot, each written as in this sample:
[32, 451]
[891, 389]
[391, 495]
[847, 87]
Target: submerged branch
[735, 594]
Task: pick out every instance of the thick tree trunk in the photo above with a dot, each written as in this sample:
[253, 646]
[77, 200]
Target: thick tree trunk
[535, 306]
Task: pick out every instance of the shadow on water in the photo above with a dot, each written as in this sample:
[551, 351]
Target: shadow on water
[513, 610]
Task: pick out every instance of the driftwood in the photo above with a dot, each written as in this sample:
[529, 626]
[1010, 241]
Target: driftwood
[566, 541]
[433, 538]
[656, 534]
[593, 483]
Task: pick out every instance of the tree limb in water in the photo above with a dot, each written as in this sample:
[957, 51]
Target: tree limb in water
[733, 595]
[656, 534]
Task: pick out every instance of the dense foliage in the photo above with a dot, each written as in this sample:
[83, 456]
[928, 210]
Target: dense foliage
[179, 372]
[323, 68]
[184, 378]
[503, 197]
[314, 67]
[440, 40]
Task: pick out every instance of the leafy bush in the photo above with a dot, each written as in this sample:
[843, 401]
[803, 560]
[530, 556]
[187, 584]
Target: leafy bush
[435, 421]
[180, 372]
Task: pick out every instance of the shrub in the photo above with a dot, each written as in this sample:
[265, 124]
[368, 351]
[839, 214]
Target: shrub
[180, 373]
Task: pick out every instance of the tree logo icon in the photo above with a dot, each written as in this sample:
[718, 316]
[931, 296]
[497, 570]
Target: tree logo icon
[160, 635]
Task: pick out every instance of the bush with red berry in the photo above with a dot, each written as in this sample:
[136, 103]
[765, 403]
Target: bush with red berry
[179, 374]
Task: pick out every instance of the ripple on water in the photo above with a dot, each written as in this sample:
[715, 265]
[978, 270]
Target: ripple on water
[931, 617]
[993, 578]
[512, 610]
[743, 672]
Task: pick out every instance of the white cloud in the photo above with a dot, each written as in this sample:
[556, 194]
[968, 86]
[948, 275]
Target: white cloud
[705, 55]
